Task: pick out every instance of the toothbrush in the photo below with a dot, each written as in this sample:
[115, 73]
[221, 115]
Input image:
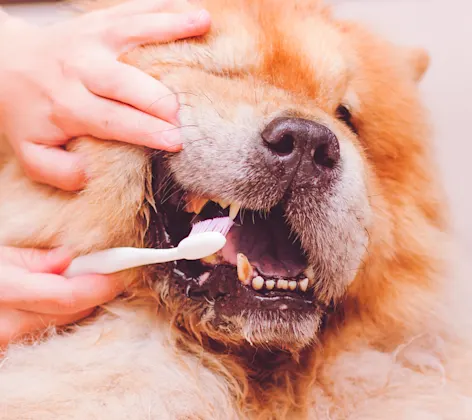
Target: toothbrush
[206, 238]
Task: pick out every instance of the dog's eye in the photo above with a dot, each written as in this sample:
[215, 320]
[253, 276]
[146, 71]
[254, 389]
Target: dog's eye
[344, 114]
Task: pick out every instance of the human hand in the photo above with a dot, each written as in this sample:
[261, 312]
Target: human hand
[33, 294]
[64, 81]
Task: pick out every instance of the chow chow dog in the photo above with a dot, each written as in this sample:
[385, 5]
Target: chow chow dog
[334, 296]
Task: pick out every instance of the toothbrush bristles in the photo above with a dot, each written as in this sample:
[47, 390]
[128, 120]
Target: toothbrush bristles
[219, 224]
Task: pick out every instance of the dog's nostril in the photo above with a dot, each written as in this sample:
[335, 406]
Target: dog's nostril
[297, 145]
[283, 145]
[323, 156]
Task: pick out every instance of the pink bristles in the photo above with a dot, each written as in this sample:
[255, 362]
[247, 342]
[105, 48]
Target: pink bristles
[219, 224]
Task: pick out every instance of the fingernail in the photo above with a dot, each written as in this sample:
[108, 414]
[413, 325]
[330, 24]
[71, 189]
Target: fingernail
[171, 139]
[175, 120]
[62, 251]
[199, 17]
[58, 259]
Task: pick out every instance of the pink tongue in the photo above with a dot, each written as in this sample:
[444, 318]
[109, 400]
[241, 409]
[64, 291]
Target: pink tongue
[268, 245]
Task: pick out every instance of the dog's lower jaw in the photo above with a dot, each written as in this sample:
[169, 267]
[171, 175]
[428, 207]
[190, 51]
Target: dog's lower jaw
[264, 330]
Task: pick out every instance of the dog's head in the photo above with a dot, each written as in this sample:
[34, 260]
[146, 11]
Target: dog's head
[308, 133]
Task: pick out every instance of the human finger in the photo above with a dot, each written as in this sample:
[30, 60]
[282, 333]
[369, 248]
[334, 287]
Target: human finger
[53, 166]
[135, 7]
[15, 324]
[53, 261]
[129, 85]
[54, 294]
[110, 120]
[159, 27]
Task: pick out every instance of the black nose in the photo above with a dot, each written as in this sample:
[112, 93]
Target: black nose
[301, 145]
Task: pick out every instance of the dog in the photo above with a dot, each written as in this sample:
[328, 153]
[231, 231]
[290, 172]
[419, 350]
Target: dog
[334, 297]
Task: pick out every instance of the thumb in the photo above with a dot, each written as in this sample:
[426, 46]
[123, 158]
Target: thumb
[53, 166]
[38, 260]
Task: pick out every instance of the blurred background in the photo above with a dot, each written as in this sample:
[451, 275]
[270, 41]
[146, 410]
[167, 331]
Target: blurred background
[444, 29]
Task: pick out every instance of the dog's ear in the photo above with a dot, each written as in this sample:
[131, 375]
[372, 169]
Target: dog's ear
[418, 61]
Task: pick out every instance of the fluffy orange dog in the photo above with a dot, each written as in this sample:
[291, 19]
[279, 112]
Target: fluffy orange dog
[333, 297]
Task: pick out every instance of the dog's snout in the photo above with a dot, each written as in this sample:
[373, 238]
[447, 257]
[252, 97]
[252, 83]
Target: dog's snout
[289, 140]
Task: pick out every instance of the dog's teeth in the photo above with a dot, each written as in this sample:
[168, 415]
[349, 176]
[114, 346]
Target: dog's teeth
[303, 284]
[195, 204]
[310, 274]
[258, 283]
[234, 210]
[223, 204]
[292, 285]
[282, 284]
[245, 269]
[270, 284]
[211, 259]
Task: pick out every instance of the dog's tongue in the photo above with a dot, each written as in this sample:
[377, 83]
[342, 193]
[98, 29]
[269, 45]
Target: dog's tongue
[268, 245]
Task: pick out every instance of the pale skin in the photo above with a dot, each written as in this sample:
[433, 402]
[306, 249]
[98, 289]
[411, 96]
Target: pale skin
[65, 81]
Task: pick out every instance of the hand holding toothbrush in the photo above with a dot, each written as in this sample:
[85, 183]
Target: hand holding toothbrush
[39, 288]
[34, 295]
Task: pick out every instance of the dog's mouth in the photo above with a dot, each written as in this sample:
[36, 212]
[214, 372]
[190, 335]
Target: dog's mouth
[261, 267]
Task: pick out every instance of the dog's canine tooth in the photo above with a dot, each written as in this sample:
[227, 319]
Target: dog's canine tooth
[234, 210]
[195, 204]
[303, 284]
[292, 285]
[222, 203]
[258, 283]
[269, 284]
[245, 270]
[310, 274]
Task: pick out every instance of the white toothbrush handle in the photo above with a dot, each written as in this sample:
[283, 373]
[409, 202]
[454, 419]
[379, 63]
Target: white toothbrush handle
[117, 259]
